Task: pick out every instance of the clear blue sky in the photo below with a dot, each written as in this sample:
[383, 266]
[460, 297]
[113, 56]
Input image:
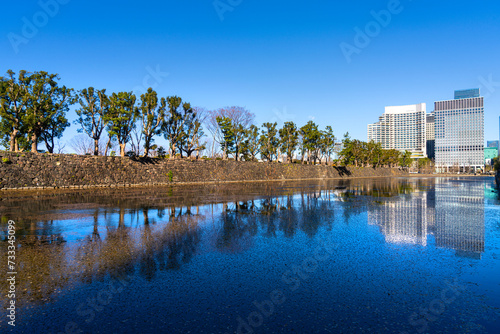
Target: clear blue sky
[282, 60]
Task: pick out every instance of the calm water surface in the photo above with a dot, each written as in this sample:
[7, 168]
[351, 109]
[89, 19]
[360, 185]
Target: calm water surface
[359, 256]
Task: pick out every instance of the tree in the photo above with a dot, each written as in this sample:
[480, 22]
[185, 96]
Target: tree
[327, 143]
[153, 115]
[13, 105]
[268, 141]
[174, 122]
[311, 138]
[251, 146]
[237, 115]
[94, 109]
[405, 159]
[228, 137]
[121, 117]
[46, 101]
[289, 139]
[54, 130]
[191, 134]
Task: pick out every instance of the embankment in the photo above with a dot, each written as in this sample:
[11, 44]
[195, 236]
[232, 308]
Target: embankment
[28, 170]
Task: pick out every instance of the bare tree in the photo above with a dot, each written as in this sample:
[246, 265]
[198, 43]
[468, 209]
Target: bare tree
[82, 144]
[59, 146]
[238, 115]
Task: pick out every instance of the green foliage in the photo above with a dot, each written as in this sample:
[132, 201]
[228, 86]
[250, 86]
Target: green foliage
[113, 154]
[6, 160]
[161, 152]
[356, 152]
[170, 176]
[47, 105]
[496, 164]
[121, 117]
[311, 140]
[228, 135]
[269, 142]
[289, 139]
[94, 108]
[33, 106]
[152, 113]
[250, 148]
[191, 134]
[405, 159]
[327, 143]
[173, 126]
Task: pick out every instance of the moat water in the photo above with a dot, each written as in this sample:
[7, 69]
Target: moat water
[357, 256]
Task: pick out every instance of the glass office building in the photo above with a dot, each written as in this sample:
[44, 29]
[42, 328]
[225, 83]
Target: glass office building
[401, 128]
[459, 132]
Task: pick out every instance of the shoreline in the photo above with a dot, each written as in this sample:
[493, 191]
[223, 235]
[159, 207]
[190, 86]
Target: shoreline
[200, 183]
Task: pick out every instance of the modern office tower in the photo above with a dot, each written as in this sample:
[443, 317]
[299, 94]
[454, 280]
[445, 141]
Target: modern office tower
[430, 135]
[460, 217]
[492, 143]
[489, 154]
[404, 219]
[459, 125]
[454, 215]
[401, 128]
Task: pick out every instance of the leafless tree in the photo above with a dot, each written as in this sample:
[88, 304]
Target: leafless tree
[59, 146]
[82, 144]
[238, 115]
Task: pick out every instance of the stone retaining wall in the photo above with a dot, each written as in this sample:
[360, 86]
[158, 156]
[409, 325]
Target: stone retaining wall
[27, 170]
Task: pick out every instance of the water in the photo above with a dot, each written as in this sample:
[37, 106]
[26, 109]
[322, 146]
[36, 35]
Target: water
[358, 256]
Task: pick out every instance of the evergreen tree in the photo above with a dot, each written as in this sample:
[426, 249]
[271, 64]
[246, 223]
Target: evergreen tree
[121, 118]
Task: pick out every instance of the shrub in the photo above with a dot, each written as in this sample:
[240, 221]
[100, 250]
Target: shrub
[161, 152]
[218, 159]
[497, 164]
[170, 176]
[6, 160]
[131, 154]
[113, 154]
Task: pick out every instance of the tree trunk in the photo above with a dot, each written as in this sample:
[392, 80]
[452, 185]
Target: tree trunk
[107, 146]
[96, 146]
[122, 149]
[13, 140]
[34, 142]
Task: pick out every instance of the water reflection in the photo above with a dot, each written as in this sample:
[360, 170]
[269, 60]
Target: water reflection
[453, 212]
[142, 232]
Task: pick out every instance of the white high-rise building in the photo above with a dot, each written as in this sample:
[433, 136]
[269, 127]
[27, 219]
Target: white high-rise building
[401, 128]
[459, 126]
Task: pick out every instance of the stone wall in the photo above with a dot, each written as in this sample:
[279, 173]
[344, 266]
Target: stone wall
[27, 170]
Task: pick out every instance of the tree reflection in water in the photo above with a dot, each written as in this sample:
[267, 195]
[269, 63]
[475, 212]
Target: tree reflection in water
[146, 231]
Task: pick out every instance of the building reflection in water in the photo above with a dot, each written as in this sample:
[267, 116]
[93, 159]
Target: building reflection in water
[453, 212]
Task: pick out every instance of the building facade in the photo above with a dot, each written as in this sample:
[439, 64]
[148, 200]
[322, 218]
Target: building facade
[402, 128]
[492, 143]
[489, 154]
[459, 126]
[430, 135]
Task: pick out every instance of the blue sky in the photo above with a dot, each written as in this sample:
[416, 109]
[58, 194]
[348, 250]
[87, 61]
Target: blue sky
[282, 60]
